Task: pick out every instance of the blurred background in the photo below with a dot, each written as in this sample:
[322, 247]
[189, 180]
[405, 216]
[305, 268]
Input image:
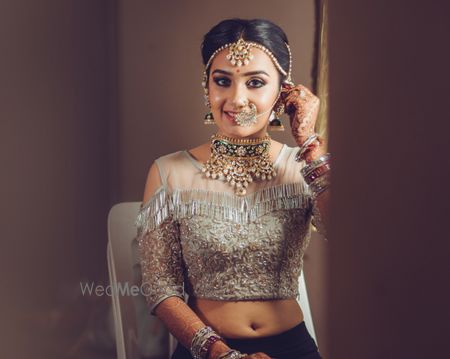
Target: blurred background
[92, 91]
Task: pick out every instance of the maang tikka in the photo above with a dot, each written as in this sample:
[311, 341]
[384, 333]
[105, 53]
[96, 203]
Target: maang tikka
[240, 54]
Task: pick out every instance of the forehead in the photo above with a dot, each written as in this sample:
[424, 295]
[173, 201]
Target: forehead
[260, 61]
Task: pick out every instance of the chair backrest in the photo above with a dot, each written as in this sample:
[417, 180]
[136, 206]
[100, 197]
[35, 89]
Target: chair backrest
[120, 266]
[134, 327]
[304, 302]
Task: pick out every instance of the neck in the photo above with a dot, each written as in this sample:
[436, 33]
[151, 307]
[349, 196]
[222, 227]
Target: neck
[242, 141]
[254, 136]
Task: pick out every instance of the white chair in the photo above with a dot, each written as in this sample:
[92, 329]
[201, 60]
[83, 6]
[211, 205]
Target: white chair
[304, 304]
[120, 266]
[133, 324]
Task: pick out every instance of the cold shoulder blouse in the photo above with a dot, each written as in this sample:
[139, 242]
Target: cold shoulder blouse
[196, 236]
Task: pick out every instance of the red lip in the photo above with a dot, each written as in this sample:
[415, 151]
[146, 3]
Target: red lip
[228, 117]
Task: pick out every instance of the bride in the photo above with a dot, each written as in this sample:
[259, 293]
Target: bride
[228, 221]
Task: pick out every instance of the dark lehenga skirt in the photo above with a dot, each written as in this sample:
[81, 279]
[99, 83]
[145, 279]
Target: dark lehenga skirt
[294, 343]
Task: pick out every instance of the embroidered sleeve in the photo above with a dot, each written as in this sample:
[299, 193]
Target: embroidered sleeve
[317, 220]
[159, 251]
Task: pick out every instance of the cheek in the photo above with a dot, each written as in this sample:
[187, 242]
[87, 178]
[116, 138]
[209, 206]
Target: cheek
[266, 97]
[216, 97]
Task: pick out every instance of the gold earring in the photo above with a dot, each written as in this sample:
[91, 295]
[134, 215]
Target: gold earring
[276, 124]
[209, 119]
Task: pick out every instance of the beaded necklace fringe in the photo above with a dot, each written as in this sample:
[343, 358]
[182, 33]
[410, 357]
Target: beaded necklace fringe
[220, 205]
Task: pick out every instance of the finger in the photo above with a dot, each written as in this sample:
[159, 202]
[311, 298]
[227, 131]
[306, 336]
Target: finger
[305, 89]
[261, 355]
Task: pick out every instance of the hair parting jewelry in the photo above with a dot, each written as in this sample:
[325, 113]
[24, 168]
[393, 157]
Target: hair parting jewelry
[240, 54]
[289, 75]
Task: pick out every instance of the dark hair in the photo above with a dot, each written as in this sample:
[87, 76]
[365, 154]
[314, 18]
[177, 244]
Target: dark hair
[261, 31]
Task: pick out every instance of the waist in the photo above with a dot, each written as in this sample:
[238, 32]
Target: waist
[248, 318]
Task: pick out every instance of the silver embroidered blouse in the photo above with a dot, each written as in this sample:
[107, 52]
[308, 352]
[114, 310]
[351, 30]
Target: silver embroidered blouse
[196, 236]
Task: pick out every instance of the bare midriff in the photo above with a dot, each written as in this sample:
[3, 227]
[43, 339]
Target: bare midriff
[248, 319]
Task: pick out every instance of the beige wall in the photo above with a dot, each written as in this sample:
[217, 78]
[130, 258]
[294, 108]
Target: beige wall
[54, 148]
[71, 146]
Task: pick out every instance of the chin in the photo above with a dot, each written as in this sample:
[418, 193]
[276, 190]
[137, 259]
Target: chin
[256, 130]
[241, 132]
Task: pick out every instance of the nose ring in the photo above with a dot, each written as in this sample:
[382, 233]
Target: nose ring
[247, 117]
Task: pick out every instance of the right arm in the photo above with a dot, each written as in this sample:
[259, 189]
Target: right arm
[162, 275]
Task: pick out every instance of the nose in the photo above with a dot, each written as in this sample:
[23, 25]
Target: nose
[239, 98]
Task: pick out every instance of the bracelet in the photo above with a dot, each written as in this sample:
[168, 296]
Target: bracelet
[207, 345]
[320, 185]
[317, 172]
[304, 147]
[315, 164]
[232, 354]
[202, 341]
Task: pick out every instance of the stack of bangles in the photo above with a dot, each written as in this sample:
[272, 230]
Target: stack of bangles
[203, 340]
[316, 173]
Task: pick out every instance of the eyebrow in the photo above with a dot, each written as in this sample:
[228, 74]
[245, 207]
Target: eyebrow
[251, 73]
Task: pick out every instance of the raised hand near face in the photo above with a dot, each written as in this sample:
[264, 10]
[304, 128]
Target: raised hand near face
[302, 107]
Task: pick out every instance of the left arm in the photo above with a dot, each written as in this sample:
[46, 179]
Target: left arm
[321, 204]
[302, 106]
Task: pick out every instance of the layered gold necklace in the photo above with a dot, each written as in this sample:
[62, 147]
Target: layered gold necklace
[239, 161]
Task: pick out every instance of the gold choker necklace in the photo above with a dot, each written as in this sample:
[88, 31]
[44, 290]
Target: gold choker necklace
[239, 161]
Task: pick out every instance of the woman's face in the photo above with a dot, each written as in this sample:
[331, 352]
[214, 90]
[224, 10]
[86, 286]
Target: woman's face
[232, 88]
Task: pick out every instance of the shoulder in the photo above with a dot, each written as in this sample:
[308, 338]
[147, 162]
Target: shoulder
[172, 156]
[202, 152]
[287, 153]
[288, 164]
[291, 151]
[158, 171]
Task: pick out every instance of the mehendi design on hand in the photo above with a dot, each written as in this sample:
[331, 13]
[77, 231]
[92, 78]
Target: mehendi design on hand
[302, 106]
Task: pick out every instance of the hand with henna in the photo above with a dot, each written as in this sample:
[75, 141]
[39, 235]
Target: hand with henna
[302, 107]
[258, 355]
[219, 348]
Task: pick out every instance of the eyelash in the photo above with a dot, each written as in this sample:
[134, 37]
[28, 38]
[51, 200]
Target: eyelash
[218, 80]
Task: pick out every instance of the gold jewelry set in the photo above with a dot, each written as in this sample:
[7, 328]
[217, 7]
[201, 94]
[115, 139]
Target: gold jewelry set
[242, 161]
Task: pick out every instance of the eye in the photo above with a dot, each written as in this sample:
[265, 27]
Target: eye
[256, 83]
[221, 81]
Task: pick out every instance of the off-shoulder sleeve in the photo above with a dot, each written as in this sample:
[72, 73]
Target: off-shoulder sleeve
[159, 251]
